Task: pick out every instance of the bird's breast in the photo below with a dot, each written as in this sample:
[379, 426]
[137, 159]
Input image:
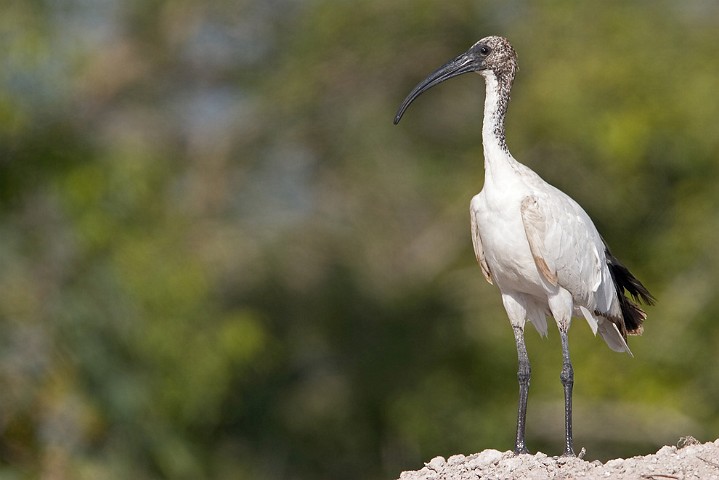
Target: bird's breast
[505, 244]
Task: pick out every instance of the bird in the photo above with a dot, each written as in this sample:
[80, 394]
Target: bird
[535, 243]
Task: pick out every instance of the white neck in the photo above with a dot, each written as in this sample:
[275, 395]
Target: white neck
[495, 108]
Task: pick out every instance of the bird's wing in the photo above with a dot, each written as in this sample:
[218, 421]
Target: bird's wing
[535, 227]
[478, 249]
[568, 250]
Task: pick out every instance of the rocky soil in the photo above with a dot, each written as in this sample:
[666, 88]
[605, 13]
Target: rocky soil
[688, 460]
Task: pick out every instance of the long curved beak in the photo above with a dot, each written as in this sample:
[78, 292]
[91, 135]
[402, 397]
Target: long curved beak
[464, 63]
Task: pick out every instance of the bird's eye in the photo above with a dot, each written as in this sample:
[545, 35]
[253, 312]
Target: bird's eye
[484, 50]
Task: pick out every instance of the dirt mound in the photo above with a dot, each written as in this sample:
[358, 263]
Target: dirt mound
[689, 460]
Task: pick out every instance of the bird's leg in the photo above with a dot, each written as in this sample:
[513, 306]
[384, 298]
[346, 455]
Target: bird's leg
[523, 375]
[567, 377]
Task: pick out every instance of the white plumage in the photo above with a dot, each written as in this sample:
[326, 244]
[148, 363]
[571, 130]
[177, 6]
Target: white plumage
[535, 243]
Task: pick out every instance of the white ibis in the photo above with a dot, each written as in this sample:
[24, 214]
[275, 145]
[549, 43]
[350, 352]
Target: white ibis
[534, 242]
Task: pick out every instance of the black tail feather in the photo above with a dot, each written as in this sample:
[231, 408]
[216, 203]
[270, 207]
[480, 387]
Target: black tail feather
[626, 283]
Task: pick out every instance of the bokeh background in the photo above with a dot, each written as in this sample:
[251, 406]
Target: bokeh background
[220, 260]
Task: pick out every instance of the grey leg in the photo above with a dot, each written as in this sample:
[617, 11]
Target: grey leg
[567, 377]
[523, 375]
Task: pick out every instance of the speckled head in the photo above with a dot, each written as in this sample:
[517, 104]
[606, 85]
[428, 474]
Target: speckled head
[496, 55]
[491, 54]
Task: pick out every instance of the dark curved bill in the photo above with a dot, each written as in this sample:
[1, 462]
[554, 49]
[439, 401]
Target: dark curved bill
[462, 64]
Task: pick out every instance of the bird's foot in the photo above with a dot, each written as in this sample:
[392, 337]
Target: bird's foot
[569, 452]
[521, 450]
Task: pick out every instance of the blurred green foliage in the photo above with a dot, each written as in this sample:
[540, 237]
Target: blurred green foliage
[219, 259]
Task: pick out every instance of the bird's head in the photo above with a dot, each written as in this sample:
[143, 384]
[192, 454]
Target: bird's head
[491, 54]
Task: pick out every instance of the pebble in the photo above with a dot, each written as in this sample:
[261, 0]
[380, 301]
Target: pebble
[437, 463]
[666, 450]
[487, 457]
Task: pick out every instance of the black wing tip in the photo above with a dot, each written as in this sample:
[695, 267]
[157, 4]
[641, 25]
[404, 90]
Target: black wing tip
[627, 282]
[630, 292]
[633, 316]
